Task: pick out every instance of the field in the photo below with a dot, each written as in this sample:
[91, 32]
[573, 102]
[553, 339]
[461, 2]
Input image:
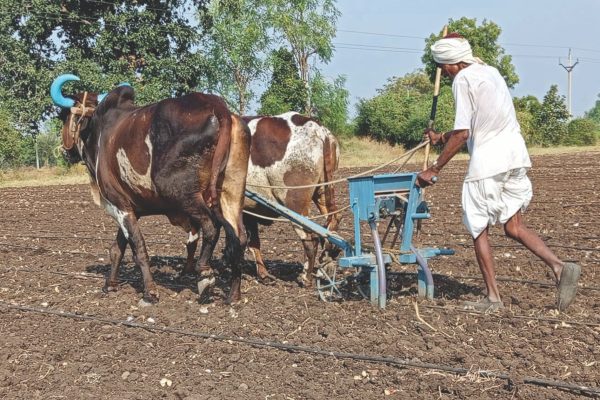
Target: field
[62, 338]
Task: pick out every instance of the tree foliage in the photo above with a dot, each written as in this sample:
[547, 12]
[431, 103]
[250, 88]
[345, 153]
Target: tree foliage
[147, 42]
[307, 26]
[594, 112]
[285, 92]
[527, 108]
[484, 42]
[330, 103]
[236, 42]
[10, 142]
[551, 119]
[400, 111]
[582, 132]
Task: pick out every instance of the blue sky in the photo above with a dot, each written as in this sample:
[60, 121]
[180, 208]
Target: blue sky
[536, 33]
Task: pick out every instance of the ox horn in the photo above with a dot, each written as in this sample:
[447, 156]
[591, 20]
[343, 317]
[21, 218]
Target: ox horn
[56, 90]
[101, 96]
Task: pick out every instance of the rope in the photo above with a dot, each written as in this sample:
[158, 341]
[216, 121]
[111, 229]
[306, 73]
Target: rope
[287, 220]
[395, 361]
[408, 153]
[404, 163]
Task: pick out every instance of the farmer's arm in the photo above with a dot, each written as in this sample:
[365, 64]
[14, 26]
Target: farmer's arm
[454, 141]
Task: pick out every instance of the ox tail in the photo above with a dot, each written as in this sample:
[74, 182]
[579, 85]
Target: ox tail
[231, 203]
[330, 165]
[220, 158]
[233, 183]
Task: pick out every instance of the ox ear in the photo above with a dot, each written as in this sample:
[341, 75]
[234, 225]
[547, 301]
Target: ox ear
[101, 96]
[118, 97]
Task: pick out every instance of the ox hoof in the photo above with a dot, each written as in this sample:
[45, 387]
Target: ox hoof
[188, 270]
[109, 288]
[267, 279]
[149, 299]
[143, 303]
[205, 284]
[304, 281]
[233, 299]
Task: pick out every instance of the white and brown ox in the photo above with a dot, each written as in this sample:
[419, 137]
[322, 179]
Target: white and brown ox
[288, 150]
[186, 158]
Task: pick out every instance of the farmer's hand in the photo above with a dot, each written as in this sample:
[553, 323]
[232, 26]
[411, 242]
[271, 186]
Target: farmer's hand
[427, 177]
[433, 136]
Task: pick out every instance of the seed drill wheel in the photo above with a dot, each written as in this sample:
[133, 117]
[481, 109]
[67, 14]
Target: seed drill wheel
[330, 282]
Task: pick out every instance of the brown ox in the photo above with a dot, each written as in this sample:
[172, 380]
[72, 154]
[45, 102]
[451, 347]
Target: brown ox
[288, 150]
[186, 158]
[291, 150]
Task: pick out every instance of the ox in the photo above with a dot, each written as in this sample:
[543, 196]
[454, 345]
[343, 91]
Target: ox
[186, 158]
[289, 150]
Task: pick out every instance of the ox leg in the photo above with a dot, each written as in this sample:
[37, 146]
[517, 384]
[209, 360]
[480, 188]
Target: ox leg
[310, 244]
[235, 238]
[138, 246]
[235, 242]
[254, 246]
[117, 250]
[326, 206]
[191, 246]
[210, 237]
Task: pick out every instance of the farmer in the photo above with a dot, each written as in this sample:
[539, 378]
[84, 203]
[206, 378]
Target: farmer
[496, 188]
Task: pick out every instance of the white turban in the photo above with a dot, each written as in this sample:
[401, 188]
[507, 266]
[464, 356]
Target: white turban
[453, 51]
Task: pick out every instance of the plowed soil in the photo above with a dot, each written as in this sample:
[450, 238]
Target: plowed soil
[54, 256]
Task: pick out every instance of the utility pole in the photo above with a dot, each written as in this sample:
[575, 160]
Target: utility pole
[569, 69]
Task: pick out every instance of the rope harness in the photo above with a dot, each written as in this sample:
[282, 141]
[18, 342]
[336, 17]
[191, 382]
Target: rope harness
[78, 116]
[408, 155]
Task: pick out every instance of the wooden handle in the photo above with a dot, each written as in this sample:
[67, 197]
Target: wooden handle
[436, 92]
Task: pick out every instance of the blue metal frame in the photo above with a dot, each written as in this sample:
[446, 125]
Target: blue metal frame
[373, 198]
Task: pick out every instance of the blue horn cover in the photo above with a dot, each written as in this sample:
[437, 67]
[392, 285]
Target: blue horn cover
[56, 90]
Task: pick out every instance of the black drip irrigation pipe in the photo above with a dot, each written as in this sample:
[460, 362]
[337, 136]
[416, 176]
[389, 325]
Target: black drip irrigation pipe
[588, 390]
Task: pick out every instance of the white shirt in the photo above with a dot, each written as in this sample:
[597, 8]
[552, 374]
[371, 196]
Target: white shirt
[484, 106]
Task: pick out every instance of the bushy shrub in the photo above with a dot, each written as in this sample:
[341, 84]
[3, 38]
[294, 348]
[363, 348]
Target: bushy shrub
[582, 132]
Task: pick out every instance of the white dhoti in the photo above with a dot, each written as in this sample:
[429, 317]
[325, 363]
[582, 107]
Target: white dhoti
[495, 199]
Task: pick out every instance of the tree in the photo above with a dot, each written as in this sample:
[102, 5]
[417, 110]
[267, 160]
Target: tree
[10, 142]
[147, 42]
[330, 103]
[582, 132]
[551, 119]
[308, 26]
[236, 43]
[286, 92]
[484, 42]
[400, 111]
[527, 108]
[594, 112]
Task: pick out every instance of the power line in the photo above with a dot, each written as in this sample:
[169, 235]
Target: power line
[77, 19]
[381, 34]
[503, 44]
[142, 8]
